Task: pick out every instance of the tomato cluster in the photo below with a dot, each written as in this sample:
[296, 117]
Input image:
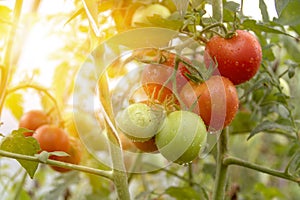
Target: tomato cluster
[179, 110]
[51, 138]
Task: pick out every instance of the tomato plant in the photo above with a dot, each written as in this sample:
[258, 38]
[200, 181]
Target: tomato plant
[216, 101]
[238, 57]
[172, 78]
[32, 120]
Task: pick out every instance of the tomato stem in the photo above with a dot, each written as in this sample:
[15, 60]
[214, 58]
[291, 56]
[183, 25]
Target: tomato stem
[230, 160]
[103, 173]
[39, 89]
[222, 169]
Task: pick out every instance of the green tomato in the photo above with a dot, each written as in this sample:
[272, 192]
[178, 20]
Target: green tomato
[141, 14]
[139, 122]
[182, 136]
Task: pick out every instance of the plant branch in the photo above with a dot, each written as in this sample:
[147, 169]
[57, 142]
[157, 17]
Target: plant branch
[39, 89]
[221, 172]
[237, 161]
[103, 173]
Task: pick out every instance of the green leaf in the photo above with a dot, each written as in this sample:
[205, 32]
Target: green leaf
[157, 20]
[16, 142]
[289, 14]
[182, 6]
[292, 47]
[14, 103]
[269, 126]
[183, 193]
[232, 6]
[280, 5]
[259, 27]
[264, 10]
[294, 165]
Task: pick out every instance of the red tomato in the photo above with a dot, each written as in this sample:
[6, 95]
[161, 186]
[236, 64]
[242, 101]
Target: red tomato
[147, 146]
[238, 58]
[215, 100]
[52, 138]
[75, 152]
[32, 120]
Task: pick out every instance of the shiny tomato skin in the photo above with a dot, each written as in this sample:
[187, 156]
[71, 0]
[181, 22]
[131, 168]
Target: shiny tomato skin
[75, 152]
[32, 120]
[52, 138]
[238, 58]
[215, 101]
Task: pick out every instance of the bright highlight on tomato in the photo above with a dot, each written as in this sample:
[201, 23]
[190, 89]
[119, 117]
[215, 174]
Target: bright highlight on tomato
[238, 58]
[139, 122]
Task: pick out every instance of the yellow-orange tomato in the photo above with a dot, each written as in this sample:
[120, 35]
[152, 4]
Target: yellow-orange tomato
[52, 138]
[32, 120]
[75, 152]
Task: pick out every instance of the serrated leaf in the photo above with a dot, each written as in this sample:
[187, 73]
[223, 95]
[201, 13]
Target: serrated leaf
[183, 193]
[280, 5]
[91, 10]
[232, 6]
[289, 14]
[294, 167]
[182, 6]
[292, 47]
[14, 103]
[264, 10]
[158, 21]
[259, 27]
[16, 142]
[269, 126]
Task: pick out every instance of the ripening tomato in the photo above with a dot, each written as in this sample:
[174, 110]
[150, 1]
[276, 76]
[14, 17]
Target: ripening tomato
[52, 138]
[215, 100]
[148, 146]
[238, 58]
[32, 120]
[182, 137]
[127, 144]
[75, 154]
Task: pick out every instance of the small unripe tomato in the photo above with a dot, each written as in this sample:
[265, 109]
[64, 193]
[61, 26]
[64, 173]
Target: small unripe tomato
[182, 137]
[139, 122]
[33, 119]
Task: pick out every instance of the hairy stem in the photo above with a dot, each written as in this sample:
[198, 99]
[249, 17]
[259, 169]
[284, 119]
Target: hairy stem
[222, 169]
[103, 173]
[237, 161]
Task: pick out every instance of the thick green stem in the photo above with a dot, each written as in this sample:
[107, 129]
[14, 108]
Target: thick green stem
[5, 72]
[106, 174]
[236, 161]
[221, 173]
[119, 174]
